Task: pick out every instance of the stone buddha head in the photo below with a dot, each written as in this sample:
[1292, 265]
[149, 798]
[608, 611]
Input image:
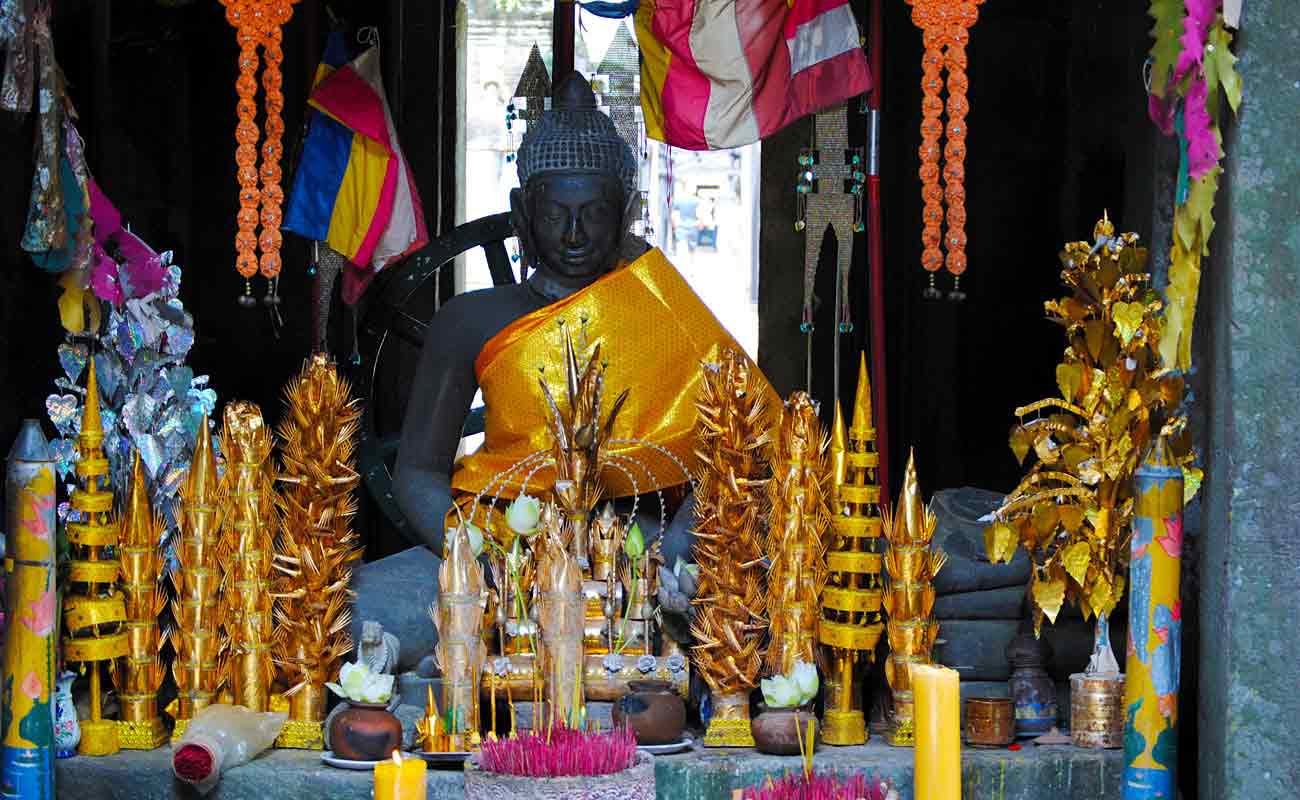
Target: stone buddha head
[578, 195]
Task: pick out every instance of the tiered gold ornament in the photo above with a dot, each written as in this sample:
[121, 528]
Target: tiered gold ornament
[909, 597]
[560, 615]
[461, 652]
[140, 727]
[197, 581]
[796, 537]
[851, 620]
[317, 546]
[248, 524]
[94, 610]
[733, 433]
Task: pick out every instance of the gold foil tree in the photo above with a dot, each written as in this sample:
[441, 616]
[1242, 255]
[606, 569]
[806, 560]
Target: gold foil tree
[911, 564]
[733, 433]
[796, 536]
[94, 610]
[317, 547]
[851, 620]
[461, 651]
[248, 525]
[197, 581]
[1073, 511]
[140, 727]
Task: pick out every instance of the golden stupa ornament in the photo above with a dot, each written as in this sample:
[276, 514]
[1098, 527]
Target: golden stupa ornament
[1073, 512]
[317, 546]
[733, 434]
[94, 610]
[911, 563]
[248, 526]
[461, 651]
[851, 601]
[796, 537]
[197, 584]
[140, 727]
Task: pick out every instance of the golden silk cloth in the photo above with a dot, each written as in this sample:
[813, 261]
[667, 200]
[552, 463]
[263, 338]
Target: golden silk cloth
[654, 332]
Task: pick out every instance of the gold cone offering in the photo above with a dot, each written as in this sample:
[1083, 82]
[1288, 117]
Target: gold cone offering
[248, 525]
[909, 597]
[796, 536]
[317, 546]
[733, 433]
[94, 610]
[461, 651]
[851, 622]
[140, 727]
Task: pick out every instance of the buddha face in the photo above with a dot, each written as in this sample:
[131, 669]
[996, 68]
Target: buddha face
[575, 222]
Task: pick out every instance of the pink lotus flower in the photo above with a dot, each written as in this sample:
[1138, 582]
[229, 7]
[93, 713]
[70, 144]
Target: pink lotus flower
[1172, 541]
[32, 686]
[35, 516]
[40, 619]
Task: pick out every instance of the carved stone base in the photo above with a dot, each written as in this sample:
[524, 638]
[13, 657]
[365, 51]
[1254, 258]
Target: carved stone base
[844, 728]
[301, 734]
[98, 738]
[903, 734]
[142, 735]
[729, 733]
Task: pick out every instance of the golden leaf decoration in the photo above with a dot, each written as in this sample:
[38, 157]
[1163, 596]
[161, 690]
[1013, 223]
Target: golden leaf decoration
[1000, 542]
[1102, 596]
[1071, 518]
[1076, 558]
[1049, 595]
[1069, 378]
[1128, 318]
[1021, 441]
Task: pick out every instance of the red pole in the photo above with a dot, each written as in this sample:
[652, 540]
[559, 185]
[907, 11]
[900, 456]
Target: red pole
[876, 248]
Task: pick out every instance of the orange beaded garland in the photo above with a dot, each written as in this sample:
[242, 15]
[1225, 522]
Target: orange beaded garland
[945, 32]
[258, 23]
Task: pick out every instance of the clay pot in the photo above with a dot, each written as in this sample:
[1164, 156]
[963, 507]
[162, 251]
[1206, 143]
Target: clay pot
[365, 732]
[653, 711]
[775, 729]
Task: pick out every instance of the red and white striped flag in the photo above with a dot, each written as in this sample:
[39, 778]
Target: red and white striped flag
[725, 73]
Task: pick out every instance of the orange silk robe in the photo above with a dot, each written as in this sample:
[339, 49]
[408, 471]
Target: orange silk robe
[654, 332]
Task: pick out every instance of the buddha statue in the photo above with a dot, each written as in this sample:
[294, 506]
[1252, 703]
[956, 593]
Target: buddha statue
[591, 282]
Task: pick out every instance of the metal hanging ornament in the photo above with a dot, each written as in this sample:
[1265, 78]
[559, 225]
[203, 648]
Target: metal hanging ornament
[258, 24]
[945, 31]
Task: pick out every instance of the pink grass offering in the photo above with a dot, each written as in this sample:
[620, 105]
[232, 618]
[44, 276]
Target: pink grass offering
[826, 786]
[561, 752]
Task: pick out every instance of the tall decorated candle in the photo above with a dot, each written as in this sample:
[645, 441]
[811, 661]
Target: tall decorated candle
[937, 697]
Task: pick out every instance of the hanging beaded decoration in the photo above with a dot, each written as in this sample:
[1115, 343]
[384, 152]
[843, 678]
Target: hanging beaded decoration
[258, 23]
[945, 31]
[829, 194]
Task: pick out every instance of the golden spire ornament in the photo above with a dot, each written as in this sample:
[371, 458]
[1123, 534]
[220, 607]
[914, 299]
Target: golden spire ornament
[461, 651]
[248, 524]
[197, 581]
[317, 546]
[796, 536]
[733, 433]
[140, 727]
[851, 620]
[94, 610]
[561, 614]
[909, 597]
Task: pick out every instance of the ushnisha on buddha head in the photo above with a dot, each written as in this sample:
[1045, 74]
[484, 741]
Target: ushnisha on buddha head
[579, 187]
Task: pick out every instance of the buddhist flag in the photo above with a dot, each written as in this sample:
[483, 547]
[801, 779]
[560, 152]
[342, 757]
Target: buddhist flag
[725, 73]
[354, 189]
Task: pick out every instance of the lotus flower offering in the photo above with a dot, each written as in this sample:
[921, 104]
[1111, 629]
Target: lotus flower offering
[358, 684]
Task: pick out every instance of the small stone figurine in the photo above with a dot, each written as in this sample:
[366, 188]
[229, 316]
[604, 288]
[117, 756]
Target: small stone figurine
[378, 650]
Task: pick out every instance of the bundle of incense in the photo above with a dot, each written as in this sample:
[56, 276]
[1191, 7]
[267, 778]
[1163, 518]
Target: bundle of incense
[140, 727]
[248, 526]
[197, 583]
[909, 597]
[317, 547]
[461, 651]
[796, 536]
[733, 433]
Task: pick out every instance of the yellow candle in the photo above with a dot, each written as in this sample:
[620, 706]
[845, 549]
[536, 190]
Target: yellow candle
[937, 699]
[400, 779]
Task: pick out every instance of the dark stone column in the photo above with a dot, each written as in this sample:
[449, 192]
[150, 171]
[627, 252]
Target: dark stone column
[1248, 706]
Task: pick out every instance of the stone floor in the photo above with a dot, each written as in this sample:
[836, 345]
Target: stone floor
[1049, 773]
